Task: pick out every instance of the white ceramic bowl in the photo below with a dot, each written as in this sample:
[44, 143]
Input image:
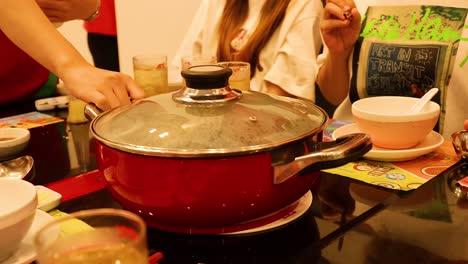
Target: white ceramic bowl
[390, 124]
[18, 201]
[13, 141]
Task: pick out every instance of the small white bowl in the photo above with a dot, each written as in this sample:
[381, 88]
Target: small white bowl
[18, 202]
[13, 141]
[389, 122]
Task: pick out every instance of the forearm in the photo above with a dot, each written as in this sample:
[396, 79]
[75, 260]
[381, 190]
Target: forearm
[340, 27]
[333, 79]
[37, 36]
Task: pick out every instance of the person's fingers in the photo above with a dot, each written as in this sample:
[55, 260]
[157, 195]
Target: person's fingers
[59, 11]
[53, 13]
[47, 4]
[327, 25]
[465, 124]
[124, 87]
[340, 3]
[133, 89]
[333, 11]
[97, 98]
[121, 93]
[350, 4]
[355, 18]
[111, 97]
[345, 4]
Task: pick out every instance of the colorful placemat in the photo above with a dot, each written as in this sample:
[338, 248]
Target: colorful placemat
[403, 175]
[29, 120]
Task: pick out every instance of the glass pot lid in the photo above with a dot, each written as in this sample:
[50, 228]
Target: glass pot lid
[207, 118]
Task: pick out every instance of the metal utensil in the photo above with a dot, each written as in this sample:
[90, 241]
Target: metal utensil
[426, 98]
[460, 143]
[19, 168]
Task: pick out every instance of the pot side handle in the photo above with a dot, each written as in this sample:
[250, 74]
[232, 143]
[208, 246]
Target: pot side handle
[330, 154]
[91, 111]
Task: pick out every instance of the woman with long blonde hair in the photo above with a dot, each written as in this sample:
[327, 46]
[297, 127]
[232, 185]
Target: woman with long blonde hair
[279, 38]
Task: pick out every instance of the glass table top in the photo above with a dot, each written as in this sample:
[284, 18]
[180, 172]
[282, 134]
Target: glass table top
[348, 221]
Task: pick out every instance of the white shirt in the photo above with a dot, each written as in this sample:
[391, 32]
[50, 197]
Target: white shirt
[288, 60]
[255, 9]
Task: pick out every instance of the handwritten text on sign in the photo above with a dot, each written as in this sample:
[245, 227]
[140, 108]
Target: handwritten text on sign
[421, 28]
[393, 68]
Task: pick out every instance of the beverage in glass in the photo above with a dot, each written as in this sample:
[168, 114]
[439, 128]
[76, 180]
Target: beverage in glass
[76, 113]
[188, 61]
[240, 78]
[93, 236]
[150, 73]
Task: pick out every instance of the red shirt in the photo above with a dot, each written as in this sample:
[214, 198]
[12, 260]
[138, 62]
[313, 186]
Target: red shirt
[104, 23]
[20, 75]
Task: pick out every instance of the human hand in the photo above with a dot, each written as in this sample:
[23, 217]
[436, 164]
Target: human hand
[340, 26]
[106, 89]
[65, 10]
[465, 124]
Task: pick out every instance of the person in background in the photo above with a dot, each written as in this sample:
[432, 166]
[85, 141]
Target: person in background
[32, 47]
[279, 38]
[99, 22]
[102, 37]
[380, 47]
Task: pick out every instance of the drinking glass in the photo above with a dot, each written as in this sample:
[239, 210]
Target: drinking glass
[189, 61]
[150, 73]
[80, 162]
[240, 78]
[76, 113]
[93, 236]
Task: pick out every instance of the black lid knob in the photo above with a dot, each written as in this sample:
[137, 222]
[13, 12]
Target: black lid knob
[206, 76]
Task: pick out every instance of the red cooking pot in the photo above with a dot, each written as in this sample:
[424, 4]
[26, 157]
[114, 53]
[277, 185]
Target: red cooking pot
[211, 156]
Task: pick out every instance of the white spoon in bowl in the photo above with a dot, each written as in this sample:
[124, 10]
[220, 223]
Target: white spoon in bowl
[423, 100]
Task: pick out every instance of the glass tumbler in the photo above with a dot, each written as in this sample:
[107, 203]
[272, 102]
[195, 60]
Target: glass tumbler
[93, 236]
[188, 61]
[151, 74]
[240, 78]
